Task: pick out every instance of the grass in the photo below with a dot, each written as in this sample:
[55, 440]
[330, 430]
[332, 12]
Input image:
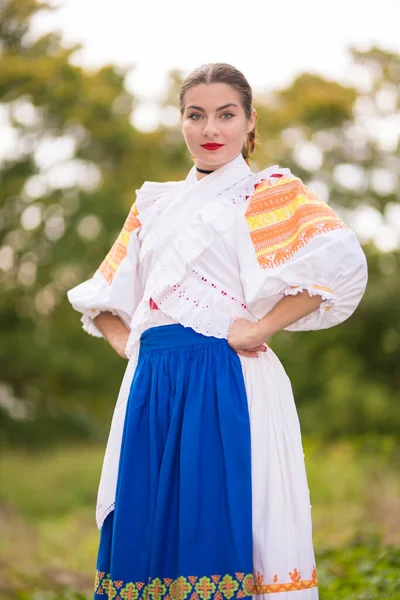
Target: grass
[50, 538]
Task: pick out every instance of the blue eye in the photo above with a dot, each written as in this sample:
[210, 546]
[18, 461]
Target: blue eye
[194, 115]
[227, 114]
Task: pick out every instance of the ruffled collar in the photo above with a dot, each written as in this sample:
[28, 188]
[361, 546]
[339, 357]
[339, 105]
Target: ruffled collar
[237, 166]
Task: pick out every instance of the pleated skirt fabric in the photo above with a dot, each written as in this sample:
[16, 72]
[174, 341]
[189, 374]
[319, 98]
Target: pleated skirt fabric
[182, 521]
[212, 499]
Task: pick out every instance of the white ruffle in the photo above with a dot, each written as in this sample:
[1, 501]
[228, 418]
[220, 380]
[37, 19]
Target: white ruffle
[178, 290]
[88, 323]
[328, 298]
[88, 317]
[152, 198]
[275, 170]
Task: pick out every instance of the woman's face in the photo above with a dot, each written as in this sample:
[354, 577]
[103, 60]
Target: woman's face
[213, 114]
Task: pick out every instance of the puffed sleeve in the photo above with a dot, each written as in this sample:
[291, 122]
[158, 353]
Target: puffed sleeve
[289, 241]
[115, 286]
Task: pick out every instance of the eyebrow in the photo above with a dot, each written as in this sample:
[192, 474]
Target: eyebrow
[219, 108]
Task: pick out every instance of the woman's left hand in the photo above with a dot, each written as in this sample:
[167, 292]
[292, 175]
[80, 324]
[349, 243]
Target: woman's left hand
[246, 338]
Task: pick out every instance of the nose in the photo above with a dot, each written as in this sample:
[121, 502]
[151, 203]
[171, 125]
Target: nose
[211, 128]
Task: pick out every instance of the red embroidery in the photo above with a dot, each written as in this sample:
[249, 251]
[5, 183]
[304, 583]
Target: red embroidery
[153, 305]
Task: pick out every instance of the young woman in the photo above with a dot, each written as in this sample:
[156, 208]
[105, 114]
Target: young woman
[203, 492]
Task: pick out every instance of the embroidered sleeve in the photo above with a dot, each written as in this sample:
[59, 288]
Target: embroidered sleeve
[115, 286]
[283, 217]
[290, 241]
[118, 251]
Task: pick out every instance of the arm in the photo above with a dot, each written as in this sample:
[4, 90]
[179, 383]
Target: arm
[108, 300]
[114, 330]
[248, 338]
[286, 312]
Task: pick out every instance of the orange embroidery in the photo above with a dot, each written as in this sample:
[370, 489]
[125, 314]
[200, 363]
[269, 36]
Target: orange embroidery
[321, 287]
[284, 216]
[215, 587]
[296, 583]
[118, 251]
[295, 576]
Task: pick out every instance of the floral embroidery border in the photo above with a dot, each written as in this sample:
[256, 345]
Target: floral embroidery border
[283, 217]
[118, 251]
[215, 587]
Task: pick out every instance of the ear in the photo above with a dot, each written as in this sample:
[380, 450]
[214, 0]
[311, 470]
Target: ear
[252, 121]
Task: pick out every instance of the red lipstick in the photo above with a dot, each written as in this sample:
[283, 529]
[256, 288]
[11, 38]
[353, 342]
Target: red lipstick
[211, 146]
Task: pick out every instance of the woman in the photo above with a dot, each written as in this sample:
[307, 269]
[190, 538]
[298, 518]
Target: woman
[203, 492]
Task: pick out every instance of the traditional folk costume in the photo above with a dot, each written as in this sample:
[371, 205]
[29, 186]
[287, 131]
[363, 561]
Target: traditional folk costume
[203, 492]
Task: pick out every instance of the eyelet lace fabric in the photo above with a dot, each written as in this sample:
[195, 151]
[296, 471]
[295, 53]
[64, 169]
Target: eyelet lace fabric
[175, 286]
[178, 289]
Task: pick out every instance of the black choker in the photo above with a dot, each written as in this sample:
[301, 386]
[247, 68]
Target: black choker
[203, 171]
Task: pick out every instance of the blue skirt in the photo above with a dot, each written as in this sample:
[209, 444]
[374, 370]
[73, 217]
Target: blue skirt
[182, 523]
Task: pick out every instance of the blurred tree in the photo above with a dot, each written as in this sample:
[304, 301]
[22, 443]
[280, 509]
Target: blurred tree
[344, 143]
[68, 178]
[71, 162]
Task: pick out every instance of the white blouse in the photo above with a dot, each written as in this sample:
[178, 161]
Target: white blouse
[243, 243]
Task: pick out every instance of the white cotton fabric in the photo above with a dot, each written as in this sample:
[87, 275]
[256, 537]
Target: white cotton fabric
[282, 525]
[194, 257]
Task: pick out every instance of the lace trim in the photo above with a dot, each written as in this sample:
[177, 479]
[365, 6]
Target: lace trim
[88, 324]
[327, 295]
[175, 286]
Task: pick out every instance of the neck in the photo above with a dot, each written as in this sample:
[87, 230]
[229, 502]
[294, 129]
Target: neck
[204, 170]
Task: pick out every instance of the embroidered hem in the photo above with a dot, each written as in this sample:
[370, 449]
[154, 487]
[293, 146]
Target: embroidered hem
[296, 583]
[214, 587]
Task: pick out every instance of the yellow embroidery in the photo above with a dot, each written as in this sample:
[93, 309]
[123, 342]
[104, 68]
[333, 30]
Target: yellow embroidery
[216, 587]
[321, 287]
[283, 217]
[118, 251]
[318, 287]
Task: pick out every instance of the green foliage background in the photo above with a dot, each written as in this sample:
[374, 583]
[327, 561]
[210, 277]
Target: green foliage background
[57, 221]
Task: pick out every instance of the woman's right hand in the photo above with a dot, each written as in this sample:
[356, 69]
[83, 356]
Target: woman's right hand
[244, 337]
[114, 330]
